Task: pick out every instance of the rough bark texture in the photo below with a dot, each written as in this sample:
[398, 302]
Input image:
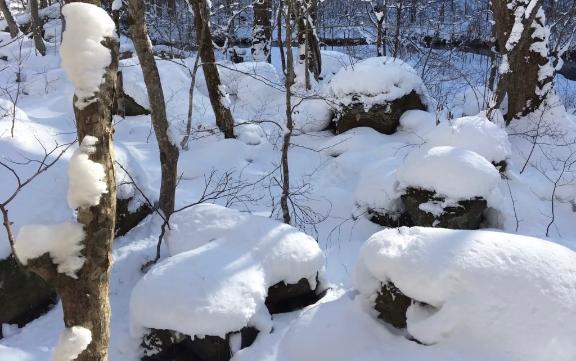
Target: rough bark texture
[168, 151]
[524, 84]
[12, 26]
[224, 118]
[262, 30]
[37, 28]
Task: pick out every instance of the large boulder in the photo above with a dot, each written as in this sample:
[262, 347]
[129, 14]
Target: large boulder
[375, 93]
[227, 273]
[23, 295]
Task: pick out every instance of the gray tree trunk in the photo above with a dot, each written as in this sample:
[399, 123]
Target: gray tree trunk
[168, 151]
[262, 30]
[12, 26]
[37, 28]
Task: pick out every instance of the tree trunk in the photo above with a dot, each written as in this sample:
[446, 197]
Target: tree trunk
[308, 45]
[12, 26]
[85, 298]
[399, 7]
[262, 30]
[168, 151]
[289, 80]
[528, 67]
[279, 35]
[37, 28]
[224, 119]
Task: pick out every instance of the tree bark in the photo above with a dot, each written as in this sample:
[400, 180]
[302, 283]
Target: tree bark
[37, 28]
[224, 119]
[85, 298]
[289, 80]
[168, 151]
[262, 30]
[528, 77]
[12, 26]
[308, 44]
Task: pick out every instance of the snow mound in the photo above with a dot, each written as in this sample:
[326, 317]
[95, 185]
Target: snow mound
[454, 173]
[83, 56]
[72, 342]
[376, 80]
[87, 179]
[62, 241]
[472, 101]
[332, 62]
[512, 294]
[475, 133]
[377, 187]
[417, 121]
[222, 263]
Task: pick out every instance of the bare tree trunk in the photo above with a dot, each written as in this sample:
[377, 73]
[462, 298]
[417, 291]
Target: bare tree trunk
[279, 35]
[308, 44]
[12, 26]
[85, 298]
[43, 4]
[379, 11]
[289, 80]
[168, 151]
[224, 118]
[527, 72]
[262, 30]
[37, 28]
[399, 6]
[172, 8]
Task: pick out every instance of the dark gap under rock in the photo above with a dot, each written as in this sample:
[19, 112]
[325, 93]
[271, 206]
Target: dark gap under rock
[284, 297]
[126, 220]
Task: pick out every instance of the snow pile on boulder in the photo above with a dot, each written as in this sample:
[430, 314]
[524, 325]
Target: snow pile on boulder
[514, 295]
[222, 265]
[451, 172]
[475, 133]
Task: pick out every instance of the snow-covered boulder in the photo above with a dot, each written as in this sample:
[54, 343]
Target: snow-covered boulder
[514, 295]
[374, 93]
[225, 265]
[475, 133]
[447, 187]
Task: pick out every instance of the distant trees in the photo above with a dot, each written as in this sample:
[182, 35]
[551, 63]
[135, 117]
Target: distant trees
[12, 26]
[527, 66]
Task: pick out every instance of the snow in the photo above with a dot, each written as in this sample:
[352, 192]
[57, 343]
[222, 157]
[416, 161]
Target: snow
[222, 263]
[62, 241]
[72, 342]
[377, 80]
[87, 179]
[451, 172]
[481, 285]
[83, 56]
[417, 121]
[474, 133]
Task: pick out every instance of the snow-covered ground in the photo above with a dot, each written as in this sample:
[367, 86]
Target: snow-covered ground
[332, 174]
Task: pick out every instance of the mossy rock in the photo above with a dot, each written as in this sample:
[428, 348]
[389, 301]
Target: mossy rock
[24, 296]
[126, 220]
[467, 214]
[166, 345]
[384, 118]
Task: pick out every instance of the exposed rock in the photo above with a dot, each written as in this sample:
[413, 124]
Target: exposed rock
[384, 118]
[468, 214]
[166, 345]
[392, 305]
[126, 220]
[284, 297]
[127, 106]
[399, 219]
[23, 295]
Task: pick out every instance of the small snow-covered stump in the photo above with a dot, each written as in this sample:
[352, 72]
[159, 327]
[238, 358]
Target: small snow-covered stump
[475, 133]
[375, 93]
[447, 187]
[509, 293]
[228, 271]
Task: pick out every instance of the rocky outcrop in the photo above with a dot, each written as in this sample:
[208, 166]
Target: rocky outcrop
[384, 118]
[126, 219]
[391, 305]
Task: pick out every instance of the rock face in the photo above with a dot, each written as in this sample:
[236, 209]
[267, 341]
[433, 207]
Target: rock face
[128, 107]
[384, 118]
[23, 295]
[467, 215]
[391, 305]
[167, 345]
